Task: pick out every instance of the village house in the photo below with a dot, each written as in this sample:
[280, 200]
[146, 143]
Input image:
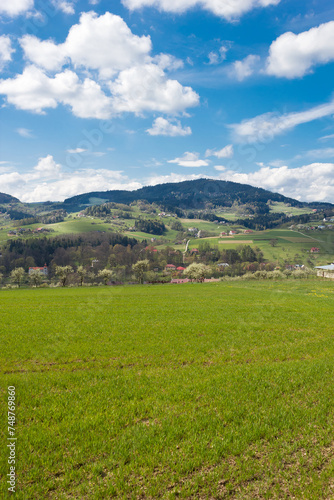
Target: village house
[315, 250]
[170, 267]
[42, 270]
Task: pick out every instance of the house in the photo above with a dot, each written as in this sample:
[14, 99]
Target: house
[233, 232]
[315, 250]
[42, 270]
[325, 271]
[194, 250]
[178, 280]
[170, 267]
[180, 268]
[248, 231]
[223, 264]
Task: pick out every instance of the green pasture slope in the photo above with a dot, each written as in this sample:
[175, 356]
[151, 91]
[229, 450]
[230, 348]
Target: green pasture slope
[218, 390]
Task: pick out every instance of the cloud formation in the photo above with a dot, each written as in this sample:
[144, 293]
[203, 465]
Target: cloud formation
[49, 181]
[226, 152]
[14, 8]
[292, 56]
[190, 160]
[109, 70]
[265, 127]
[161, 126]
[245, 68]
[313, 182]
[6, 50]
[229, 10]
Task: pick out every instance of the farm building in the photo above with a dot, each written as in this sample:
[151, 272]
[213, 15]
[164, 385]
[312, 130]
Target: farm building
[170, 267]
[42, 270]
[325, 271]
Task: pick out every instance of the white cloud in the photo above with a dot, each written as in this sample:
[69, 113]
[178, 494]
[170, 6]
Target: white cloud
[49, 181]
[34, 91]
[264, 127]
[76, 151]
[292, 56]
[161, 126]
[146, 88]
[217, 57]
[6, 50]
[326, 137]
[229, 10]
[314, 182]
[104, 43]
[317, 154]
[226, 152]
[190, 160]
[66, 7]
[14, 8]
[245, 68]
[25, 132]
[117, 73]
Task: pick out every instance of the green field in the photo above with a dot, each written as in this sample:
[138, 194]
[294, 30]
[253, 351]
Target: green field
[201, 391]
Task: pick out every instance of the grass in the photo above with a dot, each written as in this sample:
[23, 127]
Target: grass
[192, 391]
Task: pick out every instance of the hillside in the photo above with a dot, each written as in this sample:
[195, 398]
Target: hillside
[186, 195]
[7, 198]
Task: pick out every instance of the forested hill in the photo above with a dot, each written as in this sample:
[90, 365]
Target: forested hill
[187, 194]
[7, 198]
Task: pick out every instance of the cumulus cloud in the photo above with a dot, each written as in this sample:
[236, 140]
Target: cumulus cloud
[229, 10]
[6, 50]
[14, 8]
[146, 88]
[292, 56]
[245, 68]
[34, 91]
[109, 71]
[226, 152]
[161, 126]
[48, 180]
[104, 43]
[66, 7]
[314, 182]
[265, 127]
[189, 160]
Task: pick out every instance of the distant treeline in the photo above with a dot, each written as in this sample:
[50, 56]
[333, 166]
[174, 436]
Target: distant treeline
[61, 250]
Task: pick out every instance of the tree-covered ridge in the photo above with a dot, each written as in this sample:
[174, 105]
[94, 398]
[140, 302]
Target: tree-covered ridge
[7, 198]
[189, 194]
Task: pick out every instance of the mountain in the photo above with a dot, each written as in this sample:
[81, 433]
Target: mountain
[187, 195]
[7, 198]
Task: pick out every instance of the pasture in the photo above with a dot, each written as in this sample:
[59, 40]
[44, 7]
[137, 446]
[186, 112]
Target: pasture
[200, 391]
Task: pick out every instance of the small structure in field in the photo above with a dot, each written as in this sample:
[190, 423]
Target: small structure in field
[325, 271]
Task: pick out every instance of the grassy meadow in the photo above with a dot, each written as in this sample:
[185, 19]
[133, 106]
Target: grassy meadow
[204, 391]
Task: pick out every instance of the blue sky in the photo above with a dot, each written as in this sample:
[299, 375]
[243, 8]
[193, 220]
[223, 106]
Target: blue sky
[118, 94]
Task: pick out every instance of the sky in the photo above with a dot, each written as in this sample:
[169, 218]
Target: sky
[119, 94]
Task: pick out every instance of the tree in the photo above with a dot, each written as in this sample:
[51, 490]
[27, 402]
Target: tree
[1, 277]
[106, 275]
[63, 272]
[17, 275]
[273, 242]
[139, 268]
[81, 271]
[35, 277]
[196, 271]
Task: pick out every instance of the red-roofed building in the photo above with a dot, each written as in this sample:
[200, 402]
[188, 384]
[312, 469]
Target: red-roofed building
[180, 268]
[42, 270]
[170, 267]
